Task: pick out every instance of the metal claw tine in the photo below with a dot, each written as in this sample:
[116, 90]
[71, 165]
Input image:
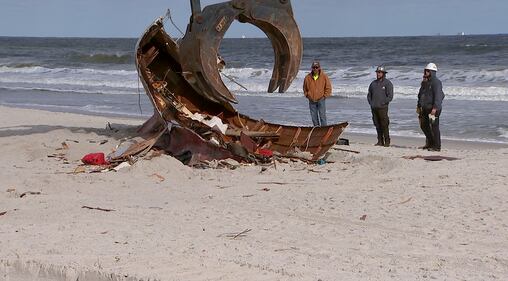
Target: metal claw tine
[199, 47]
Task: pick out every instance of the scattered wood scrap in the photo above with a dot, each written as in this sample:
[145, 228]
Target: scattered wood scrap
[98, 209]
[78, 170]
[287, 249]
[159, 177]
[406, 201]
[29, 193]
[236, 235]
[139, 149]
[273, 182]
[65, 146]
[346, 150]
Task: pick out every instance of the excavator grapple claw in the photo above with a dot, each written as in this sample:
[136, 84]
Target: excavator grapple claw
[193, 117]
[199, 47]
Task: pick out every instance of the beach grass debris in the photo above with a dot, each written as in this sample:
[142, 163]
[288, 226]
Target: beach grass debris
[98, 209]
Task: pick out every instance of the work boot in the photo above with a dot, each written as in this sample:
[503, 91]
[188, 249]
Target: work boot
[434, 149]
[380, 139]
[387, 143]
[426, 146]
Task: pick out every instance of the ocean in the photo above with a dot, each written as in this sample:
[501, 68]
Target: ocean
[98, 76]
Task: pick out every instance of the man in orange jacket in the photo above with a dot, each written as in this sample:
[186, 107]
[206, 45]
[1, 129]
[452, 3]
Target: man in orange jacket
[317, 88]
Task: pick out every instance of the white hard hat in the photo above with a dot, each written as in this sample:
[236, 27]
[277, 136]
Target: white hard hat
[431, 66]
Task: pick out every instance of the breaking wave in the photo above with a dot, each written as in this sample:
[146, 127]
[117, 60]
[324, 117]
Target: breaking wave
[484, 84]
[33, 68]
[354, 82]
[503, 132]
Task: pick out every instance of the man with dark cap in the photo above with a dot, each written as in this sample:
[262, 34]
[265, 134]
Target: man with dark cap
[317, 87]
[379, 96]
[430, 99]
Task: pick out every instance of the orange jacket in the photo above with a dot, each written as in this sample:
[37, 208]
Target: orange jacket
[315, 90]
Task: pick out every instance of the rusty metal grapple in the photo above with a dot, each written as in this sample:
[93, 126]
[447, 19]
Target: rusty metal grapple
[191, 102]
[206, 30]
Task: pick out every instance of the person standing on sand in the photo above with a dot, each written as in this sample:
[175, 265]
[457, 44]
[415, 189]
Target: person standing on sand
[379, 96]
[430, 99]
[317, 87]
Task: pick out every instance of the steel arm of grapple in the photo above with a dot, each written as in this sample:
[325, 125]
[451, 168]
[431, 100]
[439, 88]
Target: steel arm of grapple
[199, 47]
[195, 8]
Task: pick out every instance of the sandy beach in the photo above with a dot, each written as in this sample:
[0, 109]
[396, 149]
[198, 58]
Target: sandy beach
[372, 215]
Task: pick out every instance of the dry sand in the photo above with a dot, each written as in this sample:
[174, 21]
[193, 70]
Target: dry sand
[368, 216]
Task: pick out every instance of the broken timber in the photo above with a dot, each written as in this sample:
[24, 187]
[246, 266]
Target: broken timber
[180, 93]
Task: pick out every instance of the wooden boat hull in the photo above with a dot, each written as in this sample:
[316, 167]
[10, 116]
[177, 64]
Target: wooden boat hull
[175, 101]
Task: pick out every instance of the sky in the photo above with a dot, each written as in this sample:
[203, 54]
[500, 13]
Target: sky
[316, 18]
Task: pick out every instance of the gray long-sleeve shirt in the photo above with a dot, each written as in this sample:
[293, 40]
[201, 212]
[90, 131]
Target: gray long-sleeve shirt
[431, 94]
[380, 93]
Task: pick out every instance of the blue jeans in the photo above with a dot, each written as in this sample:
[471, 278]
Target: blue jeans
[318, 112]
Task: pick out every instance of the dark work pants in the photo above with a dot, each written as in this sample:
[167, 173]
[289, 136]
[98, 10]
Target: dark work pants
[318, 112]
[382, 122]
[431, 129]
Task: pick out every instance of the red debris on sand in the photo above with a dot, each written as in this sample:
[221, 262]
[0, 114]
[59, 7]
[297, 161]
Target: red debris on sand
[265, 152]
[95, 159]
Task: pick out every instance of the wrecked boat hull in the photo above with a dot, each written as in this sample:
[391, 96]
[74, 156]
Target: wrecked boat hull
[175, 101]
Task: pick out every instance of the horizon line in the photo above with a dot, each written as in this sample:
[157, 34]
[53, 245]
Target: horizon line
[258, 37]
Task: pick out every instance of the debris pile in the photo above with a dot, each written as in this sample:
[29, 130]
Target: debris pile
[193, 118]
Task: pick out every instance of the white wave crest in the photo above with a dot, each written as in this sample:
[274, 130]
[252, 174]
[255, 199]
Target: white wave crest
[257, 85]
[503, 132]
[347, 82]
[77, 71]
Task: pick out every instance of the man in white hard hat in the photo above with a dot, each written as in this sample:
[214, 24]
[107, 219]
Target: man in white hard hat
[379, 96]
[430, 99]
[317, 87]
